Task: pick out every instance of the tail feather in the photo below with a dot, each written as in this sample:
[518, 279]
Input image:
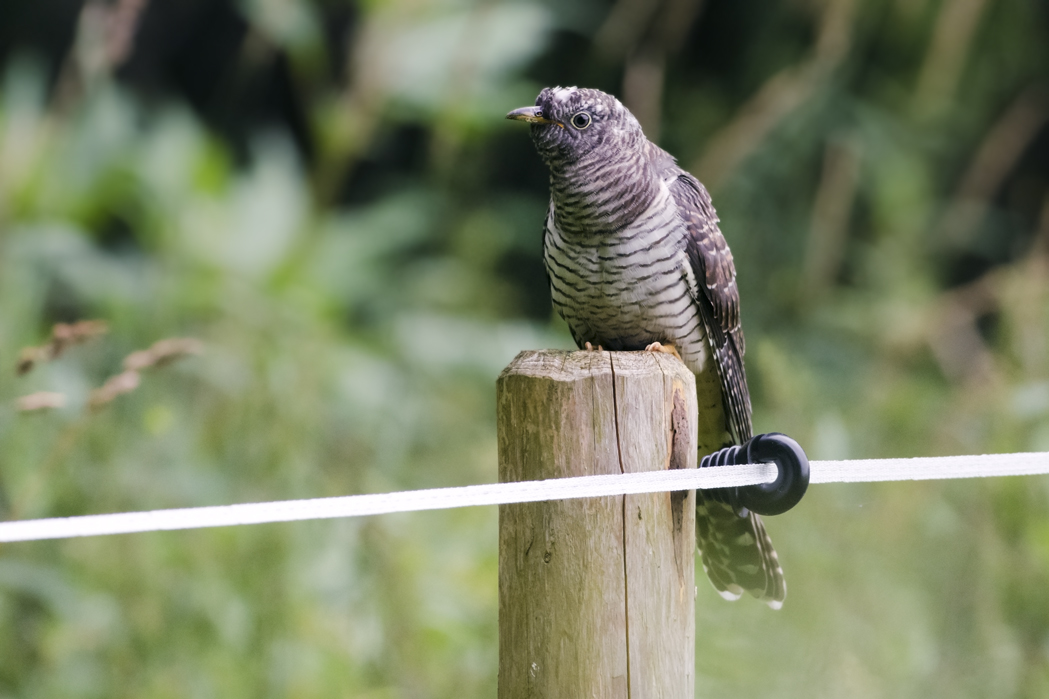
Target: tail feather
[737, 553]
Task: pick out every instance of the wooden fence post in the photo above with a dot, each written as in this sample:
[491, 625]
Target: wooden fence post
[596, 596]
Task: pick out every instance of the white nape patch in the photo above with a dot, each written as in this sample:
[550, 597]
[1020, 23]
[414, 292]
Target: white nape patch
[561, 94]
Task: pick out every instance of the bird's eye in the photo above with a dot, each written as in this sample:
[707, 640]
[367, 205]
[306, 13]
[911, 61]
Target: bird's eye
[581, 120]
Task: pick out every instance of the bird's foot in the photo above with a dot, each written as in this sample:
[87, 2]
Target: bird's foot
[660, 347]
[590, 348]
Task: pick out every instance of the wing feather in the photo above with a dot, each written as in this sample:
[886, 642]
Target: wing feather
[737, 552]
[718, 301]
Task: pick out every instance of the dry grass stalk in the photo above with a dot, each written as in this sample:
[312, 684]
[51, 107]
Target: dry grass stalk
[63, 336]
[43, 400]
[124, 382]
[161, 353]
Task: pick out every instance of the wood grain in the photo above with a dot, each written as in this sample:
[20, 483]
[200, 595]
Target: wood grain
[596, 596]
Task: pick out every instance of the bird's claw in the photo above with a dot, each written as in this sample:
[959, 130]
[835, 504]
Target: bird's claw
[660, 347]
[591, 348]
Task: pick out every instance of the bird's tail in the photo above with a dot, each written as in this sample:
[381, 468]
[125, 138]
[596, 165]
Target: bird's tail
[737, 553]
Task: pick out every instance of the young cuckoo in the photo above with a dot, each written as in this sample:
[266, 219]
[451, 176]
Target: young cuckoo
[636, 261]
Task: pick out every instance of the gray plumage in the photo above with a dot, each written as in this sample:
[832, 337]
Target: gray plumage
[634, 256]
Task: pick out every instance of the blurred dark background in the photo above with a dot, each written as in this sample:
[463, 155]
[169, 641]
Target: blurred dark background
[326, 194]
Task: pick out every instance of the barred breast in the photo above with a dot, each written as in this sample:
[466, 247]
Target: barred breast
[626, 288]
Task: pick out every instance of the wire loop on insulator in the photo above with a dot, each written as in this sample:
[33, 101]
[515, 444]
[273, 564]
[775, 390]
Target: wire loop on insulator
[774, 497]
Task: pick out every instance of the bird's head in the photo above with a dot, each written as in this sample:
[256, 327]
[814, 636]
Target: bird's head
[570, 122]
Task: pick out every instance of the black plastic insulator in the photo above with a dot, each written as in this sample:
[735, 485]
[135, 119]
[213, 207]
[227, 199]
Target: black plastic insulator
[771, 498]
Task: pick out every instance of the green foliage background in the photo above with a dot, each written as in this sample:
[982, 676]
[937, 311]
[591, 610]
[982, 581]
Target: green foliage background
[881, 169]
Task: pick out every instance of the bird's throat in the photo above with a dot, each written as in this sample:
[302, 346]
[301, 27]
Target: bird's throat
[599, 197]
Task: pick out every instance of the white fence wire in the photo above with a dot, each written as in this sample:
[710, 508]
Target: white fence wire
[853, 471]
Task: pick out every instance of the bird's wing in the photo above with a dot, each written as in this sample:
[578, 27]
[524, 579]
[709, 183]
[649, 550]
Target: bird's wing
[717, 296]
[737, 552]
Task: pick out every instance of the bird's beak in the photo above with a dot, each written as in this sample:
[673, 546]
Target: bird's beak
[533, 115]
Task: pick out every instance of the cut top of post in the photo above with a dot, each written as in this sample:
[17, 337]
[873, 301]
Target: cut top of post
[618, 395]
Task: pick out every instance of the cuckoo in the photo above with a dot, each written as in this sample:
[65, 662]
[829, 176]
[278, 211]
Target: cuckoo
[636, 261]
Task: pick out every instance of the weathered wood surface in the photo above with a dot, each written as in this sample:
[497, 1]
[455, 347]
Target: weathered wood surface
[596, 596]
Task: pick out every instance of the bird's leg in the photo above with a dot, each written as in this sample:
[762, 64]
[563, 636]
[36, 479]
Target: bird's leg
[591, 348]
[660, 347]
